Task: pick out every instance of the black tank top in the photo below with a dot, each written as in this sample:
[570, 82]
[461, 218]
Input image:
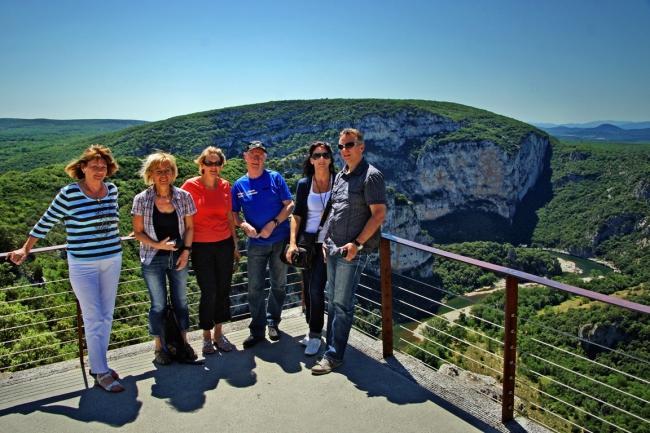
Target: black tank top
[166, 225]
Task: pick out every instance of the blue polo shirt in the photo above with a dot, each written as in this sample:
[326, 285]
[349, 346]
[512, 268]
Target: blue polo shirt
[261, 199]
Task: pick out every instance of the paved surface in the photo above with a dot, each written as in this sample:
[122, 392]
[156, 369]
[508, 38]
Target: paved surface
[266, 389]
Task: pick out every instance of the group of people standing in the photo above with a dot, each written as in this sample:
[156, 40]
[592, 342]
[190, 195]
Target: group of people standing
[336, 216]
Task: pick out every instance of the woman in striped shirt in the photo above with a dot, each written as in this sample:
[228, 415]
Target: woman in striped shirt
[89, 210]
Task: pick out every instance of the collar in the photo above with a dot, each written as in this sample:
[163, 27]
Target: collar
[358, 170]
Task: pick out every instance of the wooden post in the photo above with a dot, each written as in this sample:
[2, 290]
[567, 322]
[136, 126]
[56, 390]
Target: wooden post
[80, 343]
[386, 298]
[509, 350]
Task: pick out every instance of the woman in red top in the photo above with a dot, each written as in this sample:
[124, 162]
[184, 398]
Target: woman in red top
[214, 249]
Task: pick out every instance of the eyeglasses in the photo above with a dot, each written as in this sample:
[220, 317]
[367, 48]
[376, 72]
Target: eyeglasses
[318, 155]
[349, 145]
[212, 163]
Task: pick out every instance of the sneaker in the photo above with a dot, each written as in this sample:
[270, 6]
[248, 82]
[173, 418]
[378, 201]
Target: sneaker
[304, 340]
[190, 355]
[223, 344]
[274, 333]
[324, 366]
[313, 346]
[251, 341]
[162, 357]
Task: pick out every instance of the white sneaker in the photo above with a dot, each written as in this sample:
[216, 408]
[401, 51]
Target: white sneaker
[313, 346]
[304, 340]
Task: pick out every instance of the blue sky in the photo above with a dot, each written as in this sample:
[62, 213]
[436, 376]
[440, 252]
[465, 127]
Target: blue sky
[550, 61]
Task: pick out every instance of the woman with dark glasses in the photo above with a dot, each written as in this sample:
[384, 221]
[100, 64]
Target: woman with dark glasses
[312, 194]
[215, 247]
[163, 223]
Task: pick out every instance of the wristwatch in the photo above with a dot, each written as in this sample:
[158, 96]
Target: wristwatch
[358, 244]
[277, 223]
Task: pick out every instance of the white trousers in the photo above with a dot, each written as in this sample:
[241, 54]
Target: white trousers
[95, 285]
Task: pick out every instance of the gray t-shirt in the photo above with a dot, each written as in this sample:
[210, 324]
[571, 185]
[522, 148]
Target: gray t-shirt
[352, 195]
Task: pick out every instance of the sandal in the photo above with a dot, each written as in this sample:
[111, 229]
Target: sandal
[223, 344]
[108, 383]
[208, 347]
[110, 370]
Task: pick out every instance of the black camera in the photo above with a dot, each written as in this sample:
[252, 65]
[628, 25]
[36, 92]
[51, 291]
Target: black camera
[300, 258]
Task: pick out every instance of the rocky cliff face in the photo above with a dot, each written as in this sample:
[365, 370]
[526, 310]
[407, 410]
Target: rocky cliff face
[433, 179]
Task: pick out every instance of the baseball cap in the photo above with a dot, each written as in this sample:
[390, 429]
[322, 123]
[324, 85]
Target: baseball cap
[254, 145]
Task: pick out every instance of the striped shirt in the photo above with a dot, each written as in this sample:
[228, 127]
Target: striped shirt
[91, 225]
[143, 205]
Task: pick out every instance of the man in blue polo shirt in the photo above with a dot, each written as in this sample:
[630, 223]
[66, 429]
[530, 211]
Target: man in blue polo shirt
[265, 200]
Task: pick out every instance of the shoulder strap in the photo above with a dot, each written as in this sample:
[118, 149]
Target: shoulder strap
[328, 206]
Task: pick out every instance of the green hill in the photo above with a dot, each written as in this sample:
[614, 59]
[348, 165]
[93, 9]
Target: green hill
[30, 143]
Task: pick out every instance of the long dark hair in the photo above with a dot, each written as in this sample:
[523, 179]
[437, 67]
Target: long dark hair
[308, 168]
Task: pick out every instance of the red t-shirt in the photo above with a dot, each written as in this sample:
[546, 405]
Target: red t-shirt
[213, 207]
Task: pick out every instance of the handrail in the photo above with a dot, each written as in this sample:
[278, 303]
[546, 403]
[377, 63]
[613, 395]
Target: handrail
[512, 277]
[612, 300]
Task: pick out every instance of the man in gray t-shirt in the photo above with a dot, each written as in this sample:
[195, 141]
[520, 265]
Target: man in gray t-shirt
[351, 233]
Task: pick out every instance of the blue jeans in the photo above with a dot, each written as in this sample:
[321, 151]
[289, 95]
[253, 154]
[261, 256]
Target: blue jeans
[259, 256]
[342, 281]
[156, 274]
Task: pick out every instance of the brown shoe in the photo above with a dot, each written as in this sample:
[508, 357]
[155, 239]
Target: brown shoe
[162, 358]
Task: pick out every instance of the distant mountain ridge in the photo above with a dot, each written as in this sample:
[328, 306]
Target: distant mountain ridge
[602, 132]
[623, 124]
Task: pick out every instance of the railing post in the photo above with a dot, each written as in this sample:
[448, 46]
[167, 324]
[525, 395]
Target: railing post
[80, 343]
[385, 273]
[509, 350]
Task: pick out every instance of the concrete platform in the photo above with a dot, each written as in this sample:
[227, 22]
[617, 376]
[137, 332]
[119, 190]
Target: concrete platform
[266, 389]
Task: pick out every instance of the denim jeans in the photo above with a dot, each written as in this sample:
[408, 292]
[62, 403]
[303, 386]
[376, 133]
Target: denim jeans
[94, 283]
[313, 280]
[259, 256]
[342, 281]
[156, 274]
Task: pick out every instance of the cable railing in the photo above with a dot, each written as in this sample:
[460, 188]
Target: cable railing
[34, 332]
[539, 370]
[559, 383]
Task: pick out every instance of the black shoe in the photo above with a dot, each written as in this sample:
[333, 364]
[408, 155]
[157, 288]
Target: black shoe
[251, 341]
[274, 333]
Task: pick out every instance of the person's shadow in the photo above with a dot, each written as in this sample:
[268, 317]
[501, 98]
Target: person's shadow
[185, 385]
[95, 404]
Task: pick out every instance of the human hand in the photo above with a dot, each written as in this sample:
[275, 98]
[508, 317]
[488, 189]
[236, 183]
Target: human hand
[267, 229]
[349, 251]
[166, 244]
[292, 249]
[249, 230]
[18, 256]
[183, 258]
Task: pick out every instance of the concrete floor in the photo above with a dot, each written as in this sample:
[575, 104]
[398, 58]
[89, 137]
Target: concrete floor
[266, 389]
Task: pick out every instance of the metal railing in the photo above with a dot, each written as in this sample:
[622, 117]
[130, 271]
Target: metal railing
[34, 332]
[408, 315]
[484, 345]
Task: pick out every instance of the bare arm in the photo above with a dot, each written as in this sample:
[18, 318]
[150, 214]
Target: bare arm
[18, 256]
[268, 228]
[293, 236]
[248, 229]
[139, 234]
[188, 238]
[233, 232]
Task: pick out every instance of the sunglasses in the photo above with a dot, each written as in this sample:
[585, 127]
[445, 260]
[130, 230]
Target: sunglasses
[318, 155]
[349, 145]
[213, 163]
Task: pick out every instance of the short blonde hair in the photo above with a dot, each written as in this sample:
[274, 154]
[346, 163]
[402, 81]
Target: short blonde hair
[210, 150]
[358, 135]
[95, 151]
[154, 161]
